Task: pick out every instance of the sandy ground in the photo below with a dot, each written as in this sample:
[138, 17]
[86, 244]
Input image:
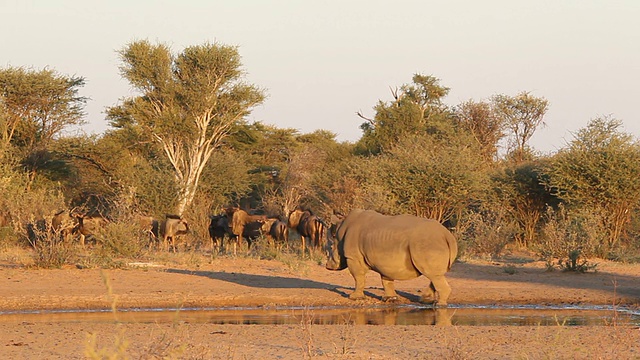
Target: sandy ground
[240, 282]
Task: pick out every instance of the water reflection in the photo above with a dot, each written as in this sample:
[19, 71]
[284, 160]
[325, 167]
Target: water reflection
[384, 316]
[400, 315]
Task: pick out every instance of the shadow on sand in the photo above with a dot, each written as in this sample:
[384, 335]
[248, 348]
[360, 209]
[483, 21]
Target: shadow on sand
[278, 282]
[262, 281]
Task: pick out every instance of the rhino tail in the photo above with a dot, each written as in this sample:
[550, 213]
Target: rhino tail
[453, 248]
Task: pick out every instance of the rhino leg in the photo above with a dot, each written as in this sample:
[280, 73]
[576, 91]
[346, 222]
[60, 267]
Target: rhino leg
[429, 294]
[358, 271]
[389, 290]
[443, 290]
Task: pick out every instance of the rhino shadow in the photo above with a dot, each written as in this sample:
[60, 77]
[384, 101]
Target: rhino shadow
[279, 282]
[260, 281]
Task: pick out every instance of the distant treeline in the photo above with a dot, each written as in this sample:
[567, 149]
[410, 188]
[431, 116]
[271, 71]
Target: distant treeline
[183, 146]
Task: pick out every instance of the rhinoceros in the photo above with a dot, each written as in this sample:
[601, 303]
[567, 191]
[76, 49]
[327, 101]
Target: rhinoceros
[398, 247]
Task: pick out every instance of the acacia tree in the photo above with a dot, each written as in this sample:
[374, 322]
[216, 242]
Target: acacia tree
[189, 103]
[415, 110]
[38, 105]
[599, 171]
[486, 128]
[522, 115]
[35, 107]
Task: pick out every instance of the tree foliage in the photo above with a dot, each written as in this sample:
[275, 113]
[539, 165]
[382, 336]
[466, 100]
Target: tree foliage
[426, 177]
[521, 115]
[519, 191]
[37, 105]
[185, 133]
[600, 169]
[484, 125]
[416, 110]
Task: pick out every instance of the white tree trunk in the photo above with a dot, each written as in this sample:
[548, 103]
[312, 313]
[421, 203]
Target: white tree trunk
[190, 157]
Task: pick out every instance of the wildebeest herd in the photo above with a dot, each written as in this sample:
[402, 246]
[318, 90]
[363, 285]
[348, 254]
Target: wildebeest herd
[233, 227]
[238, 225]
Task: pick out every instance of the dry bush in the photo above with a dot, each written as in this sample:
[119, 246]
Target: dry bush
[305, 336]
[568, 237]
[29, 213]
[486, 235]
[198, 219]
[29, 209]
[113, 245]
[8, 238]
[52, 252]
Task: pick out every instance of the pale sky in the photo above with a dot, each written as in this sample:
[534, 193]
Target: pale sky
[322, 61]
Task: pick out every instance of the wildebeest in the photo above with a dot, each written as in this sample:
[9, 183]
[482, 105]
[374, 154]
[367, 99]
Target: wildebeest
[173, 226]
[89, 226]
[37, 230]
[244, 225]
[60, 227]
[308, 226]
[398, 248]
[64, 224]
[252, 231]
[149, 226]
[218, 229]
[276, 230]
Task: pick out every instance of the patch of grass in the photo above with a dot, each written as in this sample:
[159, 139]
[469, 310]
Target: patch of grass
[17, 256]
[117, 351]
[510, 269]
[626, 254]
[8, 238]
[347, 338]
[576, 263]
[100, 258]
[294, 263]
[51, 253]
[456, 349]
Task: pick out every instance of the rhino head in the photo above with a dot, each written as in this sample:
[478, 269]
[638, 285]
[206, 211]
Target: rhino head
[335, 254]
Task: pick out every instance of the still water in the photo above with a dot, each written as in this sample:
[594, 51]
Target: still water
[386, 315]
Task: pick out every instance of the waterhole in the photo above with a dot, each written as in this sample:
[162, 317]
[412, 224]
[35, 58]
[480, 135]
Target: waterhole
[396, 315]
